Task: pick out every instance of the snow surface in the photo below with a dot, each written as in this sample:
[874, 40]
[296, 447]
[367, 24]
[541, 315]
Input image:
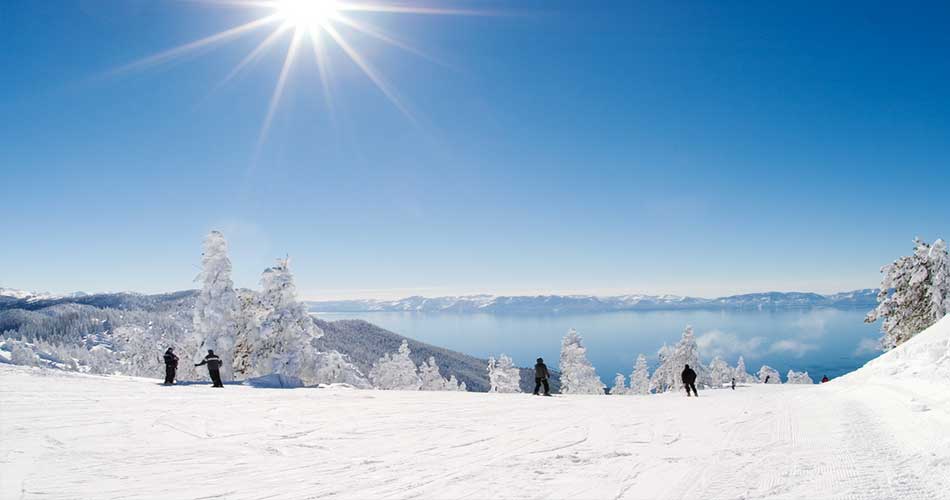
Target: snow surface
[879, 433]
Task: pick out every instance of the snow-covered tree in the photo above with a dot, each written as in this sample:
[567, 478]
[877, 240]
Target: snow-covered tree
[22, 354]
[396, 371]
[795, 377]
[640, 378]
[284, 344]
[577, 374]
[216, 304]
[431, 379]
[664, 377]
[503, 375]
[247, 337]
[768, 375]
[915, 293]
[720, 373]
[741, 374]
[673, 360]
[454, 385]
[620, 386]
[333, 367]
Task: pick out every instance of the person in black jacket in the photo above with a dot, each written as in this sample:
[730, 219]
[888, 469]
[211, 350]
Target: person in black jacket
[689, 380]
[541, 377]
[214, 364]
[171, 365]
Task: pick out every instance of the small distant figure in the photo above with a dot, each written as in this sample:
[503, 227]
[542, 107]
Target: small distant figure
[689, 380]
[767, 377]
[824, 378]
[171, 365]
[214, 365]
[733, 383]
[541, 377]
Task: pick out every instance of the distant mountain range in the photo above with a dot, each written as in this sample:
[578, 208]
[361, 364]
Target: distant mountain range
[564, 304]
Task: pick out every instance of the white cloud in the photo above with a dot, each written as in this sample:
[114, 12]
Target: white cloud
[725, 344]
[792, 346]
[867, 346]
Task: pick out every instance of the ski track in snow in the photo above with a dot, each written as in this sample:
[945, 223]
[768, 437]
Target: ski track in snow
[69, 436]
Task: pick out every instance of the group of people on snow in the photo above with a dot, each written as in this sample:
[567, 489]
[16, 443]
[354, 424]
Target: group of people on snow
[211, 359]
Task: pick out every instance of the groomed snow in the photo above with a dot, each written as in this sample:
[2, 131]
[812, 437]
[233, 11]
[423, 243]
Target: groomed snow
[872, 435]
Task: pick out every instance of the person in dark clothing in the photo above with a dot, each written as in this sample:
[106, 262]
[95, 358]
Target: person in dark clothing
[733, 383]
[689, 380]
[214, 365]
[824, 379]
[541, 378]
[767, 377]
[171, 365]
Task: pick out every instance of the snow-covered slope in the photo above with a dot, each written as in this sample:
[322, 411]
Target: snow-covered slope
[878, 434]
[925, 357]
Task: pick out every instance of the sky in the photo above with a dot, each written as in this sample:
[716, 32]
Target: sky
[603, 147]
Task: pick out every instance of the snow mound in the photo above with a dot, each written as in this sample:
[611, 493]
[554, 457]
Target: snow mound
[926, 356]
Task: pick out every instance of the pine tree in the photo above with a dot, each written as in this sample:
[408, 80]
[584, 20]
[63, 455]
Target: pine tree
[664, 377]
[640, 378]
[431, 378]
[743, 376]
[720, 373]
[915, 293]
[216, 304]
[247, 338]
[503, 375]
[284, 345]
[768, 375]
[332, 367]
[455, 385]
[795, 377]
[685, 353]
[396, 371]
[620, 386]
[577, 374]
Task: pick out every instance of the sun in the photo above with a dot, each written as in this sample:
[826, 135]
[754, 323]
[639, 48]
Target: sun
[319, 24]
[307, 14]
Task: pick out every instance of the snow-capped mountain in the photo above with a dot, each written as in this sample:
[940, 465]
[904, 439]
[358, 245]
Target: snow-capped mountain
[552, 304]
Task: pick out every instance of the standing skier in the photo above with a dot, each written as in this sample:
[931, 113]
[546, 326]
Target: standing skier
[689, 380]
[733, 383]
[541, 377]
[171, 364]
[214, 364]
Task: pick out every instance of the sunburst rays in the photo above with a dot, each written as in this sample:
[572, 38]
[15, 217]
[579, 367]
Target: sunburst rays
[314, 23]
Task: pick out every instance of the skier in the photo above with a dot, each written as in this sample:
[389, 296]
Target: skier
[824, 379]
[214, 364]
[171, 364]
[689, 380]
[767, 377]
[733, 383]
[541, 377]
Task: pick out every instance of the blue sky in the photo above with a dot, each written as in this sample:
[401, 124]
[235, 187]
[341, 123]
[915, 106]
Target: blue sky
[699, 148]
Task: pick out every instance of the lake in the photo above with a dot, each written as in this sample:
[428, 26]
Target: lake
[821, 341]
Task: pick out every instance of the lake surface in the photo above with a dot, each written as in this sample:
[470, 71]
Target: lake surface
[821, 341]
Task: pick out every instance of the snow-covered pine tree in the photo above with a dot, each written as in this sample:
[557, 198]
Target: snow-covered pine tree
[247, 337]
[577, 374]
[431, 379]
[741, 374]
[720, 373]
[22, 354]
[620, 386]
[332, 367]
[396, 371]
[503, 375]
[686, 352]
[915, 293]
[794, 377]
[640, 378]
[284, 346]
[216, 304]
[455, 385]
[664, 377]
[768, 375]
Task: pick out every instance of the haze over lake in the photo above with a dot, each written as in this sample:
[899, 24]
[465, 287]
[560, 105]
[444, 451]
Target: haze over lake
[820, 340]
